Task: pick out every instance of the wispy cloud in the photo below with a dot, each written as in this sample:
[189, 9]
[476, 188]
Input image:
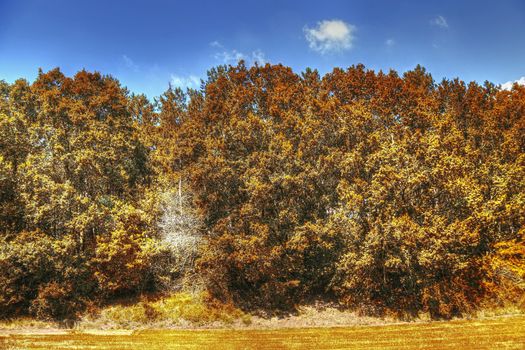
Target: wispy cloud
[232, 56]
[183, 82]
[330, 36]
[259, 57]
[229, 56]
[390, 42]
[216, 44]
[509, 84]
[130, 63]
[439, 21]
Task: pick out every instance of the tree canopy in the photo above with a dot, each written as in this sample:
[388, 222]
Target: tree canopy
[379, 191]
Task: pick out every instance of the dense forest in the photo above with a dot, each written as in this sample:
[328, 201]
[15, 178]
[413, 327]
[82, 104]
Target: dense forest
[265, 187]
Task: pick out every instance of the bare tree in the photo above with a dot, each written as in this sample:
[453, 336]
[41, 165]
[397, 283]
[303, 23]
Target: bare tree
[179, 234]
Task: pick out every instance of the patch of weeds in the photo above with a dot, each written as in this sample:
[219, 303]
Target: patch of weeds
[173, 310]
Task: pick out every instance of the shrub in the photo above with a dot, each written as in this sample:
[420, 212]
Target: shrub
[43, 276]
[506, 272]
[171, 310]
[402, 269]
[57, 302]
[123, 259]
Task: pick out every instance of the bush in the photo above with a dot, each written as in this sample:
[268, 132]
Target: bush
[57, 302]
[174, 309]
[123, 259]
[402, 269]
[43, 276]
[506, 273]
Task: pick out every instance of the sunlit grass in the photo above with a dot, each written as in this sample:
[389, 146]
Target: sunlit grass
[496, 333]
[26, 322]
[175, 310]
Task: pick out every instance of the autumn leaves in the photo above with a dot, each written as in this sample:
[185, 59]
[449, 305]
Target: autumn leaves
[379, 191]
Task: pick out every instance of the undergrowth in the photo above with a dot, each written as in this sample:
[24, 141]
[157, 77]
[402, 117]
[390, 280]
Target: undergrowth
[180, 309]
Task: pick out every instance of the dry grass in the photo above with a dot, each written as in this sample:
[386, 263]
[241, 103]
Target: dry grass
[178, 310]
[26, 323]
[495, 333]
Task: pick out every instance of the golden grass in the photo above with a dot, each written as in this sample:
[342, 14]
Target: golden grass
[26, 322]
[495, 333]
[176, 310]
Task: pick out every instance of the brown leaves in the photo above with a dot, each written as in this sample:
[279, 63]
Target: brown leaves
[384, 190]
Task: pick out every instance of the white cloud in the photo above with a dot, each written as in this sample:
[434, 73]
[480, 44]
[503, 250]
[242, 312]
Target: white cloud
[390, 42]
[508, 85]
[258, 56]
[130, 63]
[330, 36]
[439, 21]
[229, 56]
[182, 82]
[226, 56]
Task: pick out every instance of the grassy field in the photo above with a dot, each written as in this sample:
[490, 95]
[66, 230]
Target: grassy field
[497, 333]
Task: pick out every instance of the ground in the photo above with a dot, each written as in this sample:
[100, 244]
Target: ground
[506, 332]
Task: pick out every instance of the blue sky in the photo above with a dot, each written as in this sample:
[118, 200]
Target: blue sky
[147, 44]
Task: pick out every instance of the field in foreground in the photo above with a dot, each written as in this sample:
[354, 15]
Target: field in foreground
[496, 333]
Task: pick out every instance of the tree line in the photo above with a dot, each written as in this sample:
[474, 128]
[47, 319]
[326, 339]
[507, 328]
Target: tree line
[381, 192]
